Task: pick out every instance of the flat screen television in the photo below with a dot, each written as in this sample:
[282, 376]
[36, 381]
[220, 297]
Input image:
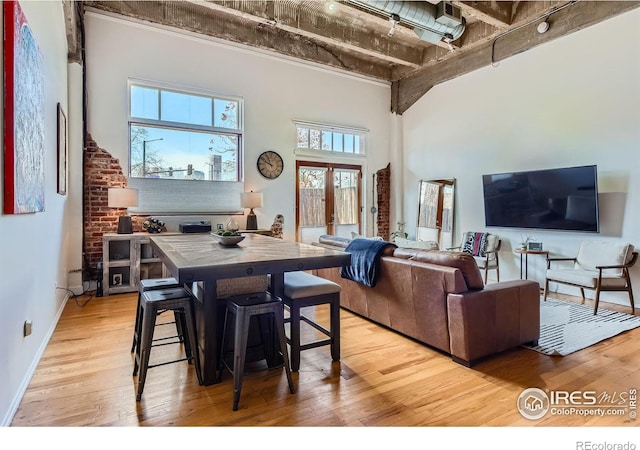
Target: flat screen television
[551, 199]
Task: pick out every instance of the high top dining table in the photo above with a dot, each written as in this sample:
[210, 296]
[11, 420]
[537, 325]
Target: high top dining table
[192, 258]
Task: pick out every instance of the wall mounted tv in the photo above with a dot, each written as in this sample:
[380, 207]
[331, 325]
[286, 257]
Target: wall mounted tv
[552, 199]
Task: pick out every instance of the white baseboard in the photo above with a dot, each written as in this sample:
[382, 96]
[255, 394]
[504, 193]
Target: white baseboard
[15, 404]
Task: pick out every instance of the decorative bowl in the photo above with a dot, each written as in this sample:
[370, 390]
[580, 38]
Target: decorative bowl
[229, 241]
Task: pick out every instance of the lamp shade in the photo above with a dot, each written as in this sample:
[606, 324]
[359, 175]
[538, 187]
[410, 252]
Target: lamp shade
[122, 197]
[251, 199]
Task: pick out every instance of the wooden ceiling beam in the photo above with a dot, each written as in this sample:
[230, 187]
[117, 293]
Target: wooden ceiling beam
[496, 14]
[405, 92]
[335, 29]
[235, 28]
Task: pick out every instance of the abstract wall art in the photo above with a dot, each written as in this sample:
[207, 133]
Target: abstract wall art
[24, 116]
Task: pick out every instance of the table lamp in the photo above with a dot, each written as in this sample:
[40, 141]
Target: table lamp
[123, 198]
[251, 200]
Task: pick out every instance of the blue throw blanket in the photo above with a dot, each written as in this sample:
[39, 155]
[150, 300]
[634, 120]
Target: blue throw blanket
[365, 261]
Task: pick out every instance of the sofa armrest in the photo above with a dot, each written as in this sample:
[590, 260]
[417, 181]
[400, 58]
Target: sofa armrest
[500, 317]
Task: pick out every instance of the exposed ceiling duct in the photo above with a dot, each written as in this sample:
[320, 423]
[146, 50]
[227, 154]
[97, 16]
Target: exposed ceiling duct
[432, 23]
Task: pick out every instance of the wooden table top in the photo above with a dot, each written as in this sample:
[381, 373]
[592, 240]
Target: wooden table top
[194, 257]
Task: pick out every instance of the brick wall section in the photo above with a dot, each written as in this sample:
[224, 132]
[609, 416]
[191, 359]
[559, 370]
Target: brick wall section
[383, 186]
[101, 171]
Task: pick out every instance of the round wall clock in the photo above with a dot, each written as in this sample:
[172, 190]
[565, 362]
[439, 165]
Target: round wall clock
[270, 164]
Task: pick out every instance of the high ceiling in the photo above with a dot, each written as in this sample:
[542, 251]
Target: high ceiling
[378, 39]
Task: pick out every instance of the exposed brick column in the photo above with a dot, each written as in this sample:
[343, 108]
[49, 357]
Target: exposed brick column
[383, 186]
[101, 171]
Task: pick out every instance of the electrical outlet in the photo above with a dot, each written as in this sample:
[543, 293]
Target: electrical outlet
[28, 325]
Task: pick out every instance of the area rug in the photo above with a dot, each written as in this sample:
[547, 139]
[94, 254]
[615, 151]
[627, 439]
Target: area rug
[566, 327]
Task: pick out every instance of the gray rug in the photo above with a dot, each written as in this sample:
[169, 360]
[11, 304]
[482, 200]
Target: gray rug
[567, 327]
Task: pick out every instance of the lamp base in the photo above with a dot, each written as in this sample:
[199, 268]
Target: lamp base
[125, 226]
[252, 221]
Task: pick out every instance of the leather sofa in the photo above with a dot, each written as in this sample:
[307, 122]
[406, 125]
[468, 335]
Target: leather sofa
[439, 299]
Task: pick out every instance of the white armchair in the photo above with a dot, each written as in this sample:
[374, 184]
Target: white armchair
[600, 265]
[484, 248]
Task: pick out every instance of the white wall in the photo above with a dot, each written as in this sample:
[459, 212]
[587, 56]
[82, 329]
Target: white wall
[275, 91]
[569, 102]
[33, 250]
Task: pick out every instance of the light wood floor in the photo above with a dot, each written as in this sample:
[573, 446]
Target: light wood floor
[85, 379]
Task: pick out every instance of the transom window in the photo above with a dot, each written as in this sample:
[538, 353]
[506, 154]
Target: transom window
[330, 138]
[178, 135]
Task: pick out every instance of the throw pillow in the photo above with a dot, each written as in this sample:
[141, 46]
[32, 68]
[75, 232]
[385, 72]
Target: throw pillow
[475, 243]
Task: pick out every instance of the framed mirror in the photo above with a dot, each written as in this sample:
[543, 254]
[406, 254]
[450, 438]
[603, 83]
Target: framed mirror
[435, 211]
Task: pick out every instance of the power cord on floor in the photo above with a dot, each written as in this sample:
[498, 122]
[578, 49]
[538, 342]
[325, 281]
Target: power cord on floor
[74, 296]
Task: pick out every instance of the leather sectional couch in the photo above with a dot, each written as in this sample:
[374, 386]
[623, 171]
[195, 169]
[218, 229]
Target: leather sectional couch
[439, 299]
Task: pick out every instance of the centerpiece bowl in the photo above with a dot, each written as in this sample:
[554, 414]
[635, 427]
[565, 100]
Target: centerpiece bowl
[228, 241]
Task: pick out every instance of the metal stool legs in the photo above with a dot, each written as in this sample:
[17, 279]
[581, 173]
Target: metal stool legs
[243, 307]
[176, 299]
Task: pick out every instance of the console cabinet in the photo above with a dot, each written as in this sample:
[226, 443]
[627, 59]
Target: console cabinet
[127, 259]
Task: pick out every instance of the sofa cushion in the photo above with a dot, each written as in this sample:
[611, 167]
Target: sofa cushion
[408, 243]
[595, 252]
[459, 260]
[584, 278]
[329, 239]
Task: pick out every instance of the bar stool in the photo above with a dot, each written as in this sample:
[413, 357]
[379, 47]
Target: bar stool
[243, 307]
[301, 289]
[151, 285]
[173, 299]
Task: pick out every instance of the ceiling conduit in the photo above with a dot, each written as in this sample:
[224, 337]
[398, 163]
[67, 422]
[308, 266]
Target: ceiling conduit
[430, 22]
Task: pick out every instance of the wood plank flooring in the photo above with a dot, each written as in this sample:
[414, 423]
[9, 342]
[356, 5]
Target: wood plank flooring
[383, 380]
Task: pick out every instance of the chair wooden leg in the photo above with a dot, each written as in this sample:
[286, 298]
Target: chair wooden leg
[486, 273]
[498, 274]
[546, 289]
[595, 306]
[626, 275]
[583, 297]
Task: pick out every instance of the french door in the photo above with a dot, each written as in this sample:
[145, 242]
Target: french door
[328, 200]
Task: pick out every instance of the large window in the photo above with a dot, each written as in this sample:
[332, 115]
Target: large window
[180, 141]
[184, 136]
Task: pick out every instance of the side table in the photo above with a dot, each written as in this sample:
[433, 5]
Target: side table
[526, 254]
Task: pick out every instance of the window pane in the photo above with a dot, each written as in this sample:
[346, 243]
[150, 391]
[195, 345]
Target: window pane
[315, 139]
[337, 142]
[312, 197]
[303, 137]
[186, 108]
[345, 196]
[144, 102]
[348, 143]
[226, 114]
[326, 140]
[171, 153]
[357, 147]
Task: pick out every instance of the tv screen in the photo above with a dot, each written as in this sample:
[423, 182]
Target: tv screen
[552, 199]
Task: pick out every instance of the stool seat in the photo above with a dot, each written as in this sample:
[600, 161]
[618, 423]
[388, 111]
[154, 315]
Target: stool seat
[303, 284]
[243, 307]
[174, 299]
[302, 289]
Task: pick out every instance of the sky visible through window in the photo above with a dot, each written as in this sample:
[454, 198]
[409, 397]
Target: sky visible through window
[171, 137]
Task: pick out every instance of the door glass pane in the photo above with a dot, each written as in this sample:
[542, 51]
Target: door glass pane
[312, 197]
[345, 184]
